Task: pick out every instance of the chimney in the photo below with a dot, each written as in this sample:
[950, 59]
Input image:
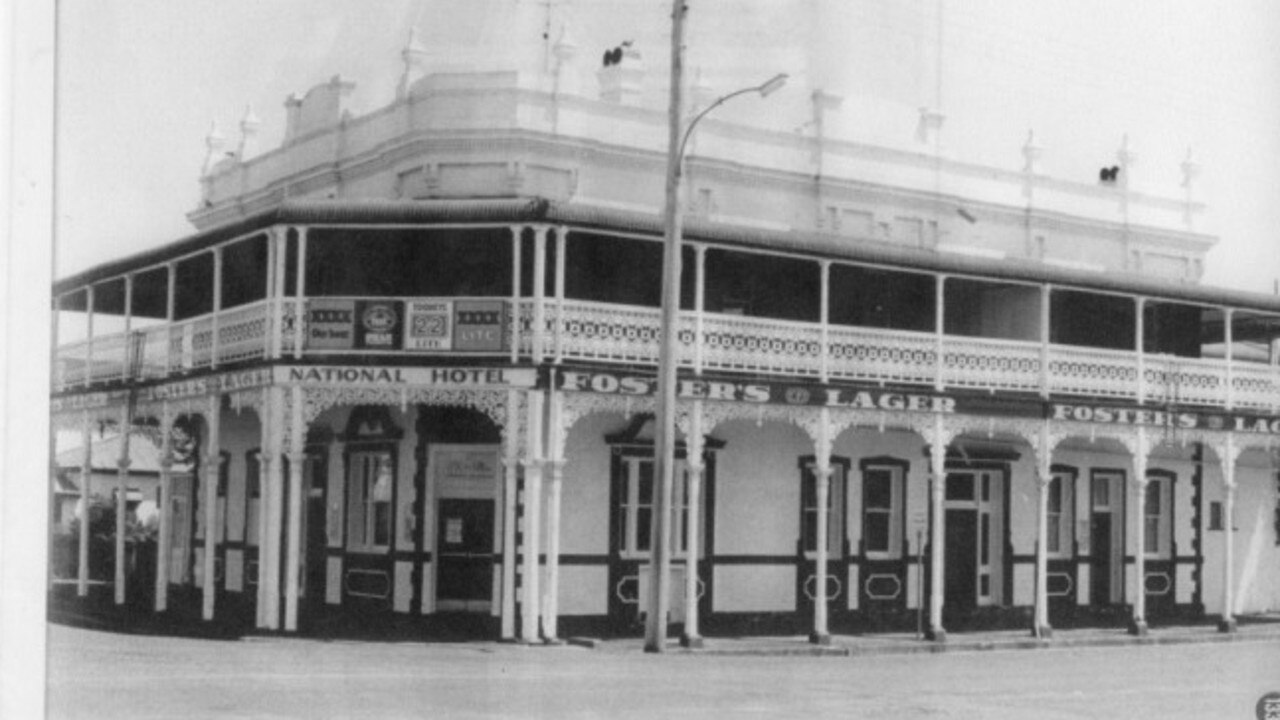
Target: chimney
[292, 114]
[249, 125]
[621, 74]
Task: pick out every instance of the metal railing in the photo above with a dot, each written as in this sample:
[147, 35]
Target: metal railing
[575, 330]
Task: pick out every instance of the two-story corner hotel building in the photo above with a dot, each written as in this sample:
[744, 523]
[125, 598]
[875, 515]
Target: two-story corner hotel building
[416, 352]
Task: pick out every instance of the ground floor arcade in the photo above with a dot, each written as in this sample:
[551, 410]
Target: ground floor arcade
[517, 502]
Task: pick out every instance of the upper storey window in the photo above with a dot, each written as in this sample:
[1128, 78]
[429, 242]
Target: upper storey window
[873, 297]
[409, 263]
[611, 269]
[758, 285]
[1092, 320]
[244, 271]
[979, 308]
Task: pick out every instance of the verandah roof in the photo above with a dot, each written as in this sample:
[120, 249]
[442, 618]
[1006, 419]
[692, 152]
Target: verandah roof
[533, 210]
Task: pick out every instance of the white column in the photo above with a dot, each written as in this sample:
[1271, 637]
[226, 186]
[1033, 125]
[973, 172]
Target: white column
[694, 468]
[273, 319]
[562, 234]
[821, 635]
[86, 473]
[516, 232]
[127, 371]
[273, 492]
[88, 347]
[264, 455]
[212, 476]
[940, 317]
[550, 601]
[825, 319]
[1140, 329]
[1138, 625]
[277, 295]
[510, 471]
[938, 465]
[532, 516]
[1046, 336]
[216, 320]
[122, 488]
[297, 461]
[555, 464]
[170, 312]
[1044, 478]
[163, 544]
[300, 296]
[1228, 623]
[699, 303]
[539, 293]
[1228, 315]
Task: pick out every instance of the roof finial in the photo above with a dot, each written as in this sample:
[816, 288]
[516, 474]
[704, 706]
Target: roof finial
[213, 142]
[414, 58]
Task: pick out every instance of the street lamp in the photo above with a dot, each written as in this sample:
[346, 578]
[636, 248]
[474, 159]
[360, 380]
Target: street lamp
[665, 440]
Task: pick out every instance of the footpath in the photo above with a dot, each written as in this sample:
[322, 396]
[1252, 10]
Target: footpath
[1260, 628]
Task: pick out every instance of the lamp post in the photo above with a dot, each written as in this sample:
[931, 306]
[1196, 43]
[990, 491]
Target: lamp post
[664, 445]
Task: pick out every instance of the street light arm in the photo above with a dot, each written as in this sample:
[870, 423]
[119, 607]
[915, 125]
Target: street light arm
[764, 89]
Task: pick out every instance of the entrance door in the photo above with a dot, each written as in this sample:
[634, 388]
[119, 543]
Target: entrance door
[961, 594]
[315, 480]
[974, 529]
[1106, 539]
[465, 549]
[180, 529]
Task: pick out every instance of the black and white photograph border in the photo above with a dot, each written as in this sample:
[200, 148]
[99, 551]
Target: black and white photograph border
[635, 358]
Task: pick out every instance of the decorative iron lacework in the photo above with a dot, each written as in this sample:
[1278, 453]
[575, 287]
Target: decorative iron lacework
[242, 332]
[988, 365]
[606, 332]
[858, 355]
[734, 343]
[576, 406]
[1093, 376]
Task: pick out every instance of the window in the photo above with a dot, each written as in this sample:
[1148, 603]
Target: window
[635, 512]
[1215, 515]
[834, 509]
[1058, 516]
[371, 479]
[882, 510]
[1155, 516]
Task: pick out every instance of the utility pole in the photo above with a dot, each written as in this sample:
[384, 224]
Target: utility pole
[655, 633]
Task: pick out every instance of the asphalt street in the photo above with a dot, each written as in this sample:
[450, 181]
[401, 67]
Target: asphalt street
[100, 675]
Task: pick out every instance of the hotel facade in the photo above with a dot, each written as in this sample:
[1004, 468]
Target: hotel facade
[416, 353]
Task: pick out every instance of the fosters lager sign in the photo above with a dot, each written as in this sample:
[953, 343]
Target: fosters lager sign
[1175, 419]
[759, 392]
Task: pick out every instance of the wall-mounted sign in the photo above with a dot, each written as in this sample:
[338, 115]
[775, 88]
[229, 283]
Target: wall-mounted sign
[480, 325]
[759, 392]
[459, 325]
[428, 325]
[1174, 419]
[453, 377]
[378, 324]
[331, 324]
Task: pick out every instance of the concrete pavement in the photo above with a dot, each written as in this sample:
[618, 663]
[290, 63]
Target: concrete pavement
[1264, 628]
[104, 675]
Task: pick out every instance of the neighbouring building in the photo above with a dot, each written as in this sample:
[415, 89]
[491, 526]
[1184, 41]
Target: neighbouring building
[415, 351]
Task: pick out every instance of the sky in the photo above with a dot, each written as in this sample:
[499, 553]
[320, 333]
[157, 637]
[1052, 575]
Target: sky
[140, 81]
